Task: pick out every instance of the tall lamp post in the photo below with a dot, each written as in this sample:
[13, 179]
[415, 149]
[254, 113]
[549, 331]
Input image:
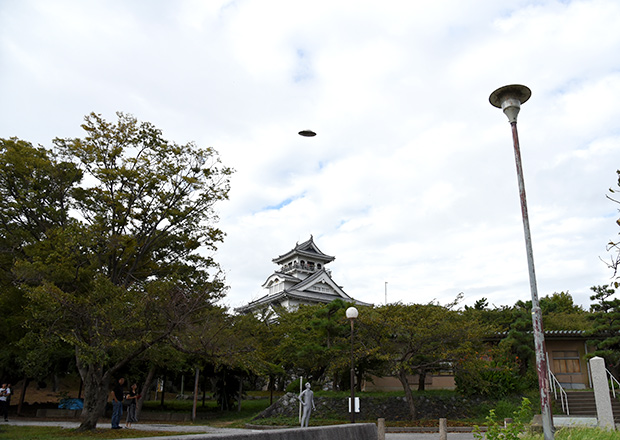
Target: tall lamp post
[509, 99]
[352, 316]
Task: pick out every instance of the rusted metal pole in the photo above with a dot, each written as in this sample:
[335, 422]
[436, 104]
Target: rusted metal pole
[539, 338]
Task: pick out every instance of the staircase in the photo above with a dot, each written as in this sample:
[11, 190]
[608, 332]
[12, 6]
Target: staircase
[582, 404]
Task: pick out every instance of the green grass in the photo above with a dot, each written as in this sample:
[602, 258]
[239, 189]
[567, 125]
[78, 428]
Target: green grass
[578, 434]
[56, 433]
[210, 414]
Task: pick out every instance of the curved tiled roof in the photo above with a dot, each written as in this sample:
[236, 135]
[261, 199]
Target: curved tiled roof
[307, 249]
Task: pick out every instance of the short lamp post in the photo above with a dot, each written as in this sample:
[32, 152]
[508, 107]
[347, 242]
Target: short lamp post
[509, 99]
[352, 316]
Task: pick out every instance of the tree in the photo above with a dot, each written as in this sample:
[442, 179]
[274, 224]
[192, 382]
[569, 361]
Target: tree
[34, 203]
[512, 325]
[614, 245]
[605, 332]
[124, 272]
[414, 338]
[310, 339]
[561, 313]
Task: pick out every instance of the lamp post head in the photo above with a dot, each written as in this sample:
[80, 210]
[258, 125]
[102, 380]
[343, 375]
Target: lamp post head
[509, 99]
[352, 313]
[307, 133]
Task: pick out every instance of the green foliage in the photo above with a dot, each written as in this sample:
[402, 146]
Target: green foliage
[577, 434]
[414, 338]
[496, 430]
[489, 374]
[312, 341]
[109, 265]
[605, 332]
[293, 387]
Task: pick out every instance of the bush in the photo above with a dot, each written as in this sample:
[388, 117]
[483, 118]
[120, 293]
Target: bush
[293, 387]
[513, 431]
[484, 376]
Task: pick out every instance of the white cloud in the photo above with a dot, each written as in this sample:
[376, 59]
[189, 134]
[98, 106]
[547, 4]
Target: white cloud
[411, 179]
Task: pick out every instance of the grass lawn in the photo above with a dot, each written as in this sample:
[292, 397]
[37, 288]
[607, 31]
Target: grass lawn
[578, 434]
[55, 433]
[211, 415]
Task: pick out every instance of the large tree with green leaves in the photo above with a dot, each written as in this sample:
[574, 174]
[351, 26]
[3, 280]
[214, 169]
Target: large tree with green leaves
[313, 339]
[414, 338]
[34, 202]
[129, 265]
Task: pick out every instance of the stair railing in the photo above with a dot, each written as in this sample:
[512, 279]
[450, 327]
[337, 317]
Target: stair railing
[613, 381]
[559, 389]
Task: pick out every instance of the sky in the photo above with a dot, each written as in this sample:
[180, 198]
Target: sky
[411, 179]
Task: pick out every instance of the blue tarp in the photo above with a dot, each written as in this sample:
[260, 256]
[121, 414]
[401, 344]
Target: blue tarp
[71, 404]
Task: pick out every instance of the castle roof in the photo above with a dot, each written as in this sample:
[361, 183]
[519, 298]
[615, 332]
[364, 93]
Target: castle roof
[306, 249]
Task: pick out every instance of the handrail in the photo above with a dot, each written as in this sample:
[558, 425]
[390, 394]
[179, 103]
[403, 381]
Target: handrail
[614, 382]
[557, 386]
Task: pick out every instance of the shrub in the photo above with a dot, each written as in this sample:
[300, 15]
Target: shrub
[495, 431]
[485, 376]
[293, 387]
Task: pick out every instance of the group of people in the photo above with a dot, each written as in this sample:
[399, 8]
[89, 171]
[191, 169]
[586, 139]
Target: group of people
[130, 399]
[5, 400]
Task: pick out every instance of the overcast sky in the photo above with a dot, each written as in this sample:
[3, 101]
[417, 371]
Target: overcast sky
[411, 178]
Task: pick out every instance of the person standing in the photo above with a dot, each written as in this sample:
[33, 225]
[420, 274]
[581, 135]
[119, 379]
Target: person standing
[133, 397]
[307, 401]
[117, 403]
[5, 394]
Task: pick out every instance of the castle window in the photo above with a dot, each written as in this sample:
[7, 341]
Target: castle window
[276, 286]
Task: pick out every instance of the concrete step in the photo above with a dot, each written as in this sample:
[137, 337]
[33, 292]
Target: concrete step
[583, 403]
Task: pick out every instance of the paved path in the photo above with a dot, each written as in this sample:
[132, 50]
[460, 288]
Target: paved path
[201, 429]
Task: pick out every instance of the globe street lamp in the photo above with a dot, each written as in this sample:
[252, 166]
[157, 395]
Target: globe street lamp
[352, 316]
[509, 99]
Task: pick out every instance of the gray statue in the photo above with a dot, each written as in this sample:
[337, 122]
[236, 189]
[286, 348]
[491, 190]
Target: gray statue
[307, 402]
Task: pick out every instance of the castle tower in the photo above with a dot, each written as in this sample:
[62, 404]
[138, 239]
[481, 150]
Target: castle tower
[301, 278]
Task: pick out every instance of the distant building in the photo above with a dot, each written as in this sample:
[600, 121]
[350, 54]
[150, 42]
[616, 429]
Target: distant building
[300, 279]
[567, 356]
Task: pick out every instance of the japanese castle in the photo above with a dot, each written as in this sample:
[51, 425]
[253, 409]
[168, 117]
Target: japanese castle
[300, 279]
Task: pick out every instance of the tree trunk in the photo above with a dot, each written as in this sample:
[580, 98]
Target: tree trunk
[148, 383]
[359, 375]
[163, 390]
[96, 385]
[23, 396]
[195, 404]
[402, 376]
[421, 379]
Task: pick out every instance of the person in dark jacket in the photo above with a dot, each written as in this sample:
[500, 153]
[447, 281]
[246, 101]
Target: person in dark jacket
[117, 403]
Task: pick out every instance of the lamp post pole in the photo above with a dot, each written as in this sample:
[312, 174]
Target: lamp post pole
[509, 99]
[352, 316]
